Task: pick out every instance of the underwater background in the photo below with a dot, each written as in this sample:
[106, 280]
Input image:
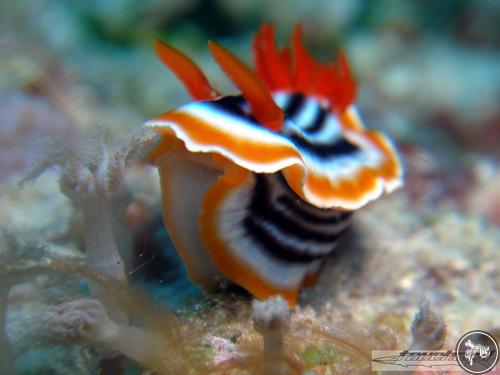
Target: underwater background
[77, 80]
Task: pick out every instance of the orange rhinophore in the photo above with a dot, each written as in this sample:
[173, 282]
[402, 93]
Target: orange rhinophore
[261, 102]
[187, 71]
[259, 187]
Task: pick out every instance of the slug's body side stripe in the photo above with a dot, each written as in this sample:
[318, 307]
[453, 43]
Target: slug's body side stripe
[272, 246]
[222, 255]
[282, 229]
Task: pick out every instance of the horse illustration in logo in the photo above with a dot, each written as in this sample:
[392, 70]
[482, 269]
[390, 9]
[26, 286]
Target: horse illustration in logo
[483, 351]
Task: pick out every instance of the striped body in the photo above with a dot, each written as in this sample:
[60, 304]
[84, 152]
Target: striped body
[275, 233]
[266, 227]
[277, 222]
[309, 123]
[259, 187]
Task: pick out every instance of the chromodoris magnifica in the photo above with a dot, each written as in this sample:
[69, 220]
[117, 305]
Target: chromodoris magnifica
[259, 187]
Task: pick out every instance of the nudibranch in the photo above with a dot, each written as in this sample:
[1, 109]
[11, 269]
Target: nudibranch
[259, 187]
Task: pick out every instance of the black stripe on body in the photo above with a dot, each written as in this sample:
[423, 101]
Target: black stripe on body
[274, 248]
[305, 211]
[236, 106]
[341, 147]
[307, 215]
[294, 105]
[263, 213]
[266, 209]
[319, 121]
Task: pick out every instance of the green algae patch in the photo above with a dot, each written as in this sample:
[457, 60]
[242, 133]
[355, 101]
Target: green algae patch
[314, 356]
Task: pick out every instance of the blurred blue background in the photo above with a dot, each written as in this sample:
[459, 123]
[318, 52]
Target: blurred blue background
[428, 72]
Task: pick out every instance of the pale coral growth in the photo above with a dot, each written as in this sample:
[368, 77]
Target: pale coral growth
[266, 352]
[271, 318]
[428, 329]
[86, 320]
[92, 177]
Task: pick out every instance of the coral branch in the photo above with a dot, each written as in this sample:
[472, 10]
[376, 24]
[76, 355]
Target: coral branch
[87, 320]
[271, 318]
[428, 329]
[92, 177]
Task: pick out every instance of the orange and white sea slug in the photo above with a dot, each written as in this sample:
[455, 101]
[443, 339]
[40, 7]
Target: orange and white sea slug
[259, 187]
